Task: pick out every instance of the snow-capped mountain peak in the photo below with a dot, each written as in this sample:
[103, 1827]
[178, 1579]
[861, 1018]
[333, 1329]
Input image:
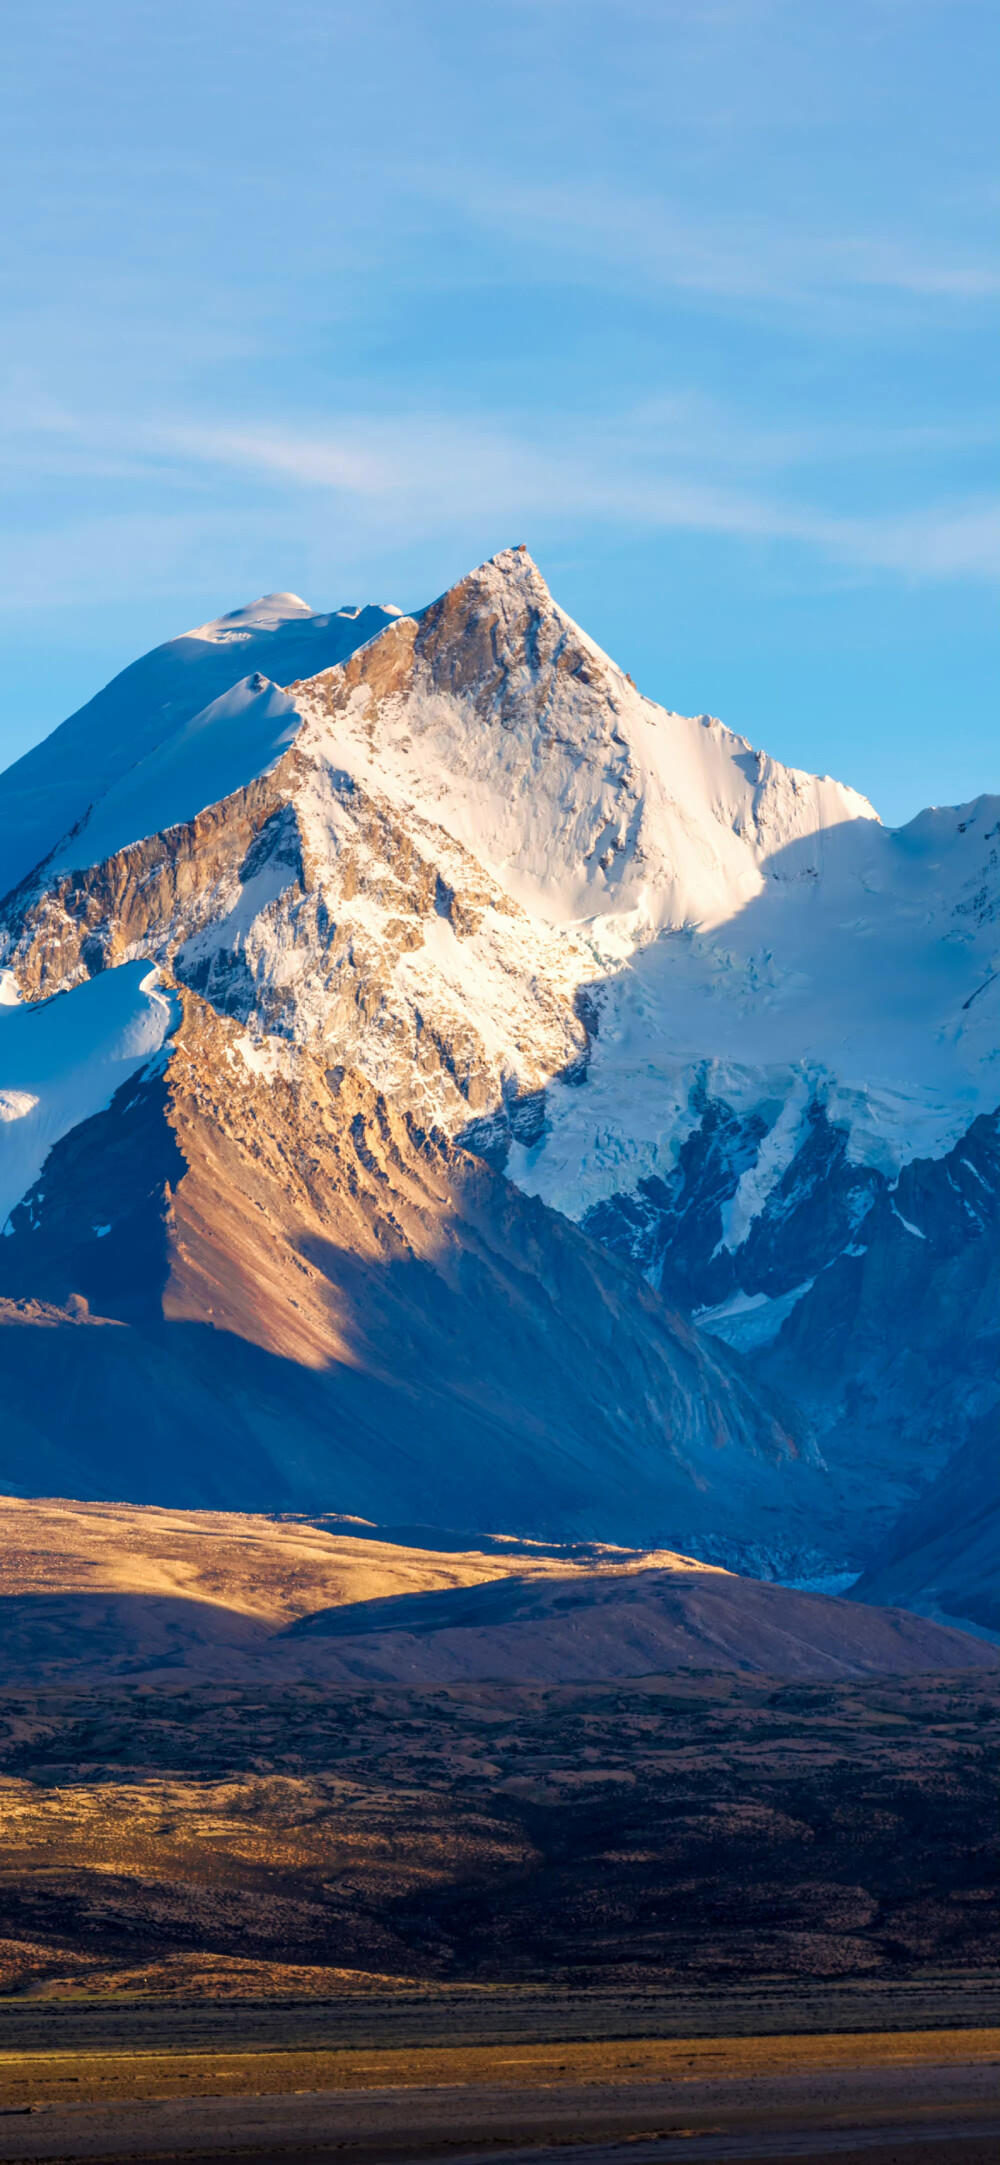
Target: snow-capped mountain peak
[267, 613]
[594, 806]
[700, 1002]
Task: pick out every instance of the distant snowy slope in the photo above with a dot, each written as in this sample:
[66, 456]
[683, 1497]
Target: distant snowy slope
[50, 789]
[237, 738]
[62, 1061]
[857, 978]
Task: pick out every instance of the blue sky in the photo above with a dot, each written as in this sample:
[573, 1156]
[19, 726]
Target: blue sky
[699, 300]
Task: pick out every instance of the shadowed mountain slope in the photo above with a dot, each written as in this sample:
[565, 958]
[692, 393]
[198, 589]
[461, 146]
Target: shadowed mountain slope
[941, 1556]
[273, 1290]
[645, 1623]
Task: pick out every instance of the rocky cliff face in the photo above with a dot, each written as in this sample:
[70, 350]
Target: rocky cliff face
[696, 1004]
[870, 1301]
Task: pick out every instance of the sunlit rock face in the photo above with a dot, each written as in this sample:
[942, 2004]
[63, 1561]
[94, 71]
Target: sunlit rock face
[700, 1004]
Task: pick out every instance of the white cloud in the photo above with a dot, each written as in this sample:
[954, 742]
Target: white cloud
[447, 469]
[404, 478]
[618, 236]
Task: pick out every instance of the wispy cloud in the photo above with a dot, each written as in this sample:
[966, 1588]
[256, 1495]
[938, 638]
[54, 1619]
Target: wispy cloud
[451, 467]
[900, 267]
[616, 236]
[399, 477]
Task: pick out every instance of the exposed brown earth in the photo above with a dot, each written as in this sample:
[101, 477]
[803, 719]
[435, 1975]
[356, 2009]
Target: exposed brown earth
[167, 1831]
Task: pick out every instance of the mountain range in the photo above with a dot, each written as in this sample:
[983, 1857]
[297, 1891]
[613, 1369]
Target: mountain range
[440, 1085]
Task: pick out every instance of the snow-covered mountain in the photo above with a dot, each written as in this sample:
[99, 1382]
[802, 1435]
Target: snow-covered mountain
[702, 1005]
[52, 788]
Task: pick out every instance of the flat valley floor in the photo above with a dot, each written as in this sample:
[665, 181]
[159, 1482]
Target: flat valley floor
[703, 1916]
[520, 2075]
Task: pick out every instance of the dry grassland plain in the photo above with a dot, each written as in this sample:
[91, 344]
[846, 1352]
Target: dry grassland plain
[678, 1832]
[107, 2077]
[226, 1877]
[171, 1828]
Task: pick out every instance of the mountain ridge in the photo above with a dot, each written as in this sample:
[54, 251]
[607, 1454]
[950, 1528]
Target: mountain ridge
[701, 1004]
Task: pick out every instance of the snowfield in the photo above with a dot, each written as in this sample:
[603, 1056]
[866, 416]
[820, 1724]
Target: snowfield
[63, 1059]
[865, 987]
[238, 736]
[53, 787]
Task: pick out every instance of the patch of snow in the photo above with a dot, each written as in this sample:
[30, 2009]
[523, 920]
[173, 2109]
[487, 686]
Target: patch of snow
[263, 1055]
[243, 927]
[775, 1155]
[15, 1104]
[749, 1321]
[265, 614]
[68, 1056]
[594, 1147]
[910, 1227]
